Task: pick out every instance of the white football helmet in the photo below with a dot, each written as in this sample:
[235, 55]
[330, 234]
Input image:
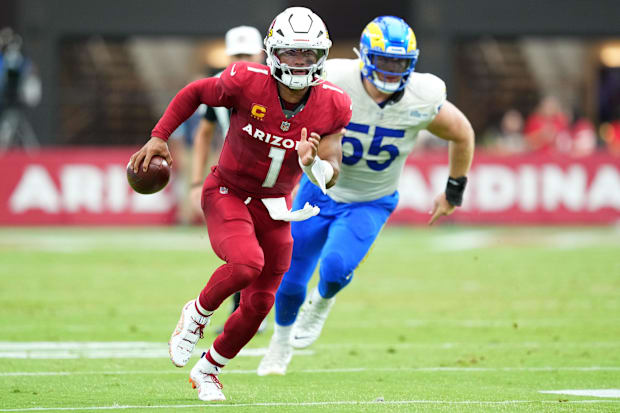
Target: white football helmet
[297, 28]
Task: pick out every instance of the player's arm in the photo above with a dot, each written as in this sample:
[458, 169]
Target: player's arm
[323, 167]
[201, 148]
[330, 150]
[322, 172]
[330, 146]
[212, 91]
[200, 155]
[452, 125]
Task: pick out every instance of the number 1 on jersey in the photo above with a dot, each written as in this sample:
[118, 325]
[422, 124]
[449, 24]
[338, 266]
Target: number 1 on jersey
[277, 157]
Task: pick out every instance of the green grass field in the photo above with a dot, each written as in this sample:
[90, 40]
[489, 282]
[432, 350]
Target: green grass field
[436, 320]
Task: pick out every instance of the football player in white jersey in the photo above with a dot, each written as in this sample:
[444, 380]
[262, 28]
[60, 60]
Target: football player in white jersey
[391, 104]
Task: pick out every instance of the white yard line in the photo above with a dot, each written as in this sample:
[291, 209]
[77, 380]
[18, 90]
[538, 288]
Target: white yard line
[48, 350]
[110, 350]
[77, 345]
[300, 404]
[480, 323]
[324, 371]
[614, 393]
[451, 345]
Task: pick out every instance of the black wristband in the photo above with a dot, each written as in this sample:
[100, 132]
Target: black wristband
[454, 190]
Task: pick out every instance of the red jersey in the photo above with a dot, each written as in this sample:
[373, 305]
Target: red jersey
[259, 155]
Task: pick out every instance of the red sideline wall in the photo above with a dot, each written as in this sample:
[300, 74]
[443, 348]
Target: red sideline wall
[87, 186]
[518, 189]
[76, 187]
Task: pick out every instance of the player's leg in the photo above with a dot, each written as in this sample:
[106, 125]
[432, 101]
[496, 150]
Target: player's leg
[308, 237]
[236, 299]
[349, 240]
[232, 236]
[237, 243]
[256, 301]
[257, 298]
[356, 230]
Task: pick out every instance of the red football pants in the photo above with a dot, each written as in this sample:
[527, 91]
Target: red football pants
[257, 251]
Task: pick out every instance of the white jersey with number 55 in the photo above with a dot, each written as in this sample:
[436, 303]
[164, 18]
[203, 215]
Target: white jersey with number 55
[378, 140]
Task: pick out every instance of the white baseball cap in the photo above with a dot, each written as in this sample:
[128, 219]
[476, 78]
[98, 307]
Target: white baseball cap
[243, 40]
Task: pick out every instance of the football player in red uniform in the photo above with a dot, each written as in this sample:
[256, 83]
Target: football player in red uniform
[285, 118]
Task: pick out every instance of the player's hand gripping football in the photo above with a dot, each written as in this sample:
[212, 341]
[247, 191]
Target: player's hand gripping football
[441, 207]
[308, 147]
[155, 146]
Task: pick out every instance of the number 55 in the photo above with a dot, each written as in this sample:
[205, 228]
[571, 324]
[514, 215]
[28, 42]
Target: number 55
[375, 146]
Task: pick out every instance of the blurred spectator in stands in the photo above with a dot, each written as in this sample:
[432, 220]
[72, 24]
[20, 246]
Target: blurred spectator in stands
[583, 142]
[180, 143]
[205, 130]
[547, 129]
[203, 133]
[20, 87]
[610, 132]
[243, 43]
[508, 137]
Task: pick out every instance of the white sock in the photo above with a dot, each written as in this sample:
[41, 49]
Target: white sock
[206, 366]
[201, 310]
[282, 333]
[317, 298]
[217, 357]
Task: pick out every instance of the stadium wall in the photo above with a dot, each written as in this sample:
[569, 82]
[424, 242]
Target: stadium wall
[438, 24]
[87, 186]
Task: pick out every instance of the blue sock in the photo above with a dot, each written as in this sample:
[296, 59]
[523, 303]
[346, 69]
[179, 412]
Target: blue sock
[288, 300]
[329, 288]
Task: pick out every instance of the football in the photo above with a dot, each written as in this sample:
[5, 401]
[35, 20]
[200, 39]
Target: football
[153, 180]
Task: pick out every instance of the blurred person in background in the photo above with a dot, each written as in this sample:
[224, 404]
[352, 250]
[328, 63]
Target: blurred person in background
[508, 137]
[20, 87]
[547, 129]
[285, 119]
[180, 144]
[610, 132]
[243, 43]
[583, 137]
[391, 105]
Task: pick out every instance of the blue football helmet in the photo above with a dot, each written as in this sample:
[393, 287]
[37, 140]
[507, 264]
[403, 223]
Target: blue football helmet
[388, 53]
